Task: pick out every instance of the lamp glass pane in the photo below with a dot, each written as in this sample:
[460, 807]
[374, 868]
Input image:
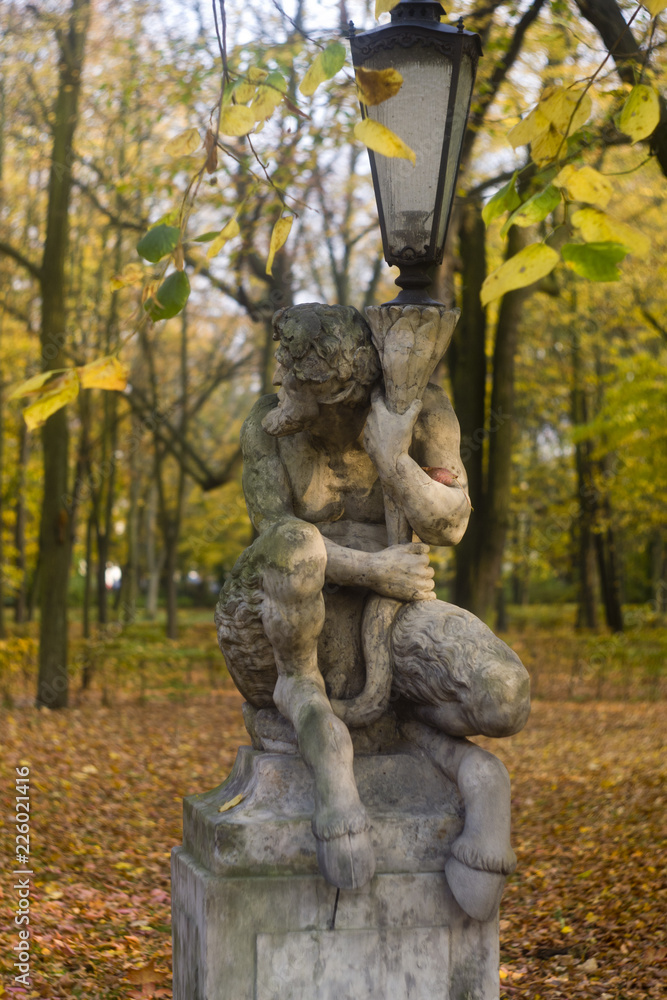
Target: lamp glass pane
[461, 105]
[417, 114]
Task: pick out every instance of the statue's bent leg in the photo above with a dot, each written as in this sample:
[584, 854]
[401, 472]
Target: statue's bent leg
[464, 681]
[481, 855]
[293, 616]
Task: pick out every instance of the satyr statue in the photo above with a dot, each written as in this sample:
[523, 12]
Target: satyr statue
[339, 630]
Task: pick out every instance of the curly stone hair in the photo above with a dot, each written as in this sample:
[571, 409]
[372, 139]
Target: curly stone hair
[319, 343]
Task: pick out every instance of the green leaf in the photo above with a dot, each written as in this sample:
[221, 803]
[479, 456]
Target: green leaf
[333, 59]
[505, 200]
[325, 65]
[158, 242]
[595, 261]
[534, 209]
[171, 296]
[206, 237]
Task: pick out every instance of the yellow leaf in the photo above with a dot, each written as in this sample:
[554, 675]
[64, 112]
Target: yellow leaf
[244, 92]
[641, 113]
[313, 78]
[377, 85]
[184, 144]
[566, 929]
[384, 6]
[133, 274]
[654, 7]
[228, 232]
[33, 386]
[266, 102]
[529, 129]
[526, 267]
[281, 231]
[567, 110]
[236, 119]
[105, 373]
[232, 802]
[586, 185]
[382, 140]
[58, 393]
[598, 227]
[547, 146]
[257, 75]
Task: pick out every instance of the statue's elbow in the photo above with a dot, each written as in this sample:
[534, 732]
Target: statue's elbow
[444, 530]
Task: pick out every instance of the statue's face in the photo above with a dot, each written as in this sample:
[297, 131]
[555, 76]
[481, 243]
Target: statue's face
[289, 385]
[299, 401]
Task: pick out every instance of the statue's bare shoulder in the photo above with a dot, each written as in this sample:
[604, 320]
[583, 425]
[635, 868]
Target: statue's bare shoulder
[265, 482]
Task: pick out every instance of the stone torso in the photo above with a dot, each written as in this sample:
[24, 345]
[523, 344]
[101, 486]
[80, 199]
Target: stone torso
[340, 483]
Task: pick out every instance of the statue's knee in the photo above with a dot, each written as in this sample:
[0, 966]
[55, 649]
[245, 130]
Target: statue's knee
[506, 699]
[295, 559]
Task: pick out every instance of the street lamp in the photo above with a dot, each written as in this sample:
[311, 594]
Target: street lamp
[438, 63]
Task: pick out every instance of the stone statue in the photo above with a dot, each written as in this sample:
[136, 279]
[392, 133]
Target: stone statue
[327, 621]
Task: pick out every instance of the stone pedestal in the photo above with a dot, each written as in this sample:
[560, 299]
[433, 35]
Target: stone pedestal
[254, 920]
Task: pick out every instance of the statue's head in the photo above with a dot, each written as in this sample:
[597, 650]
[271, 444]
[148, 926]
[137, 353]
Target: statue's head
[323, 343]
[325, 356]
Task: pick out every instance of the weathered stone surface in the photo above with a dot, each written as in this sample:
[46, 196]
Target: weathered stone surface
[415, 814]
[354, 964]
[400, 937]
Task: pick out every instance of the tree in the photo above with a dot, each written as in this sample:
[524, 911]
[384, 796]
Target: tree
[55, 531]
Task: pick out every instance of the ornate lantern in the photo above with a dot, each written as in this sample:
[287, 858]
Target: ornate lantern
[438, 64]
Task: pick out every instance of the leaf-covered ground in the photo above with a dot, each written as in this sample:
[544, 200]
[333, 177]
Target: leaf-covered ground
[584, 917]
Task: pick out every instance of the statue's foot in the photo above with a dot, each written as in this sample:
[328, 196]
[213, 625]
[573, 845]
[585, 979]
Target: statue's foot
[477, 892]
[348, 862]
[345, 854]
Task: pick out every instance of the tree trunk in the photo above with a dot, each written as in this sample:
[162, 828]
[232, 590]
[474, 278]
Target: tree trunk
[479, 555]
[55, 541]
[86, 585]
[130, 580]
[658, 556]
[587, 614]
[605, 547]
[102, 545]
[171, 550]
[2, 448]
[20, 606]
[153, 563]
[467, 368]
[498, 492]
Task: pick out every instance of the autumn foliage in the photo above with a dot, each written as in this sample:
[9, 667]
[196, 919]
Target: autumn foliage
[582, 918]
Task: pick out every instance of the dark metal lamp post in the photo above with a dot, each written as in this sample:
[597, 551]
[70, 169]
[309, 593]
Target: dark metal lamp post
[438, 63]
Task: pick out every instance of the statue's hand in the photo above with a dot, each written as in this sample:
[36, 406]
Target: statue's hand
[293, 413]
[402, 572]
[388, 435]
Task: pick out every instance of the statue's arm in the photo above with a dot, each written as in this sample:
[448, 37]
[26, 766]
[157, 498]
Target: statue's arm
[266, 486]
[401, 572]
[402, 445]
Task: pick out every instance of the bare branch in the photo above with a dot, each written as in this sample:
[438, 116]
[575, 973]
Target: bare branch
[16, 255]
